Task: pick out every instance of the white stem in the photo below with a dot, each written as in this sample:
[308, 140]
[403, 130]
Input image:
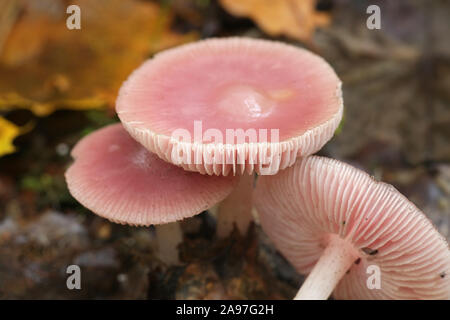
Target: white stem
[169, 236]
[336, 259]
[236, 209]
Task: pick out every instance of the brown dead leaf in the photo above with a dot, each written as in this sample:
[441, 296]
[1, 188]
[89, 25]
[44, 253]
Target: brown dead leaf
[293, 18]
[45, 66]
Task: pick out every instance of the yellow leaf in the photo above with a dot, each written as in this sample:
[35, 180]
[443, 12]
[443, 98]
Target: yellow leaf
[13, 101]
[8, 132]
[293, 18]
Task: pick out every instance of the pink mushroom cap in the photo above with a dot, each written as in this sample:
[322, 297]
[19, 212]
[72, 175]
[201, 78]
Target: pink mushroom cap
[118, 179]
[227, 84]
[304, 206]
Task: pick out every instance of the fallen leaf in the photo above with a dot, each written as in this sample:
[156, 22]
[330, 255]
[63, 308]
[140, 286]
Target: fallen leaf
[293, 18]
[45, 66]
[13, 101]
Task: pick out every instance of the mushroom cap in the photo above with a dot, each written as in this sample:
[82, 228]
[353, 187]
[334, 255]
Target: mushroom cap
[303, 206]
[118, 179]
[230, 84]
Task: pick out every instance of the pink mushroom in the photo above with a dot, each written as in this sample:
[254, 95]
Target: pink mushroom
[118, 179]
[338, 225]
[232, 106]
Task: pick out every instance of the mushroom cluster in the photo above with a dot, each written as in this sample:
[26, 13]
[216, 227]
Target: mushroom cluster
[200, 120]
[207, 107]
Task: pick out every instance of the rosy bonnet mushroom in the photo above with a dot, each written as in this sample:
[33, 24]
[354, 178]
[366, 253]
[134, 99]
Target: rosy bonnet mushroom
[337, 224]
[118, 179]
[232, 106]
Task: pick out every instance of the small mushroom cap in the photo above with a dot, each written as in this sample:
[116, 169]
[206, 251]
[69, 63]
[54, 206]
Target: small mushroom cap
[303, 206]
[118, 179]
[233, 84]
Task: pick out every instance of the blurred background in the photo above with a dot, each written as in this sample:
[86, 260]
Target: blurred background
[57, 85]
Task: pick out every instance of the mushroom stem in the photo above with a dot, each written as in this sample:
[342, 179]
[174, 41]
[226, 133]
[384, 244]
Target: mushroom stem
[336, 259]
[236, 208]
[168, 237]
